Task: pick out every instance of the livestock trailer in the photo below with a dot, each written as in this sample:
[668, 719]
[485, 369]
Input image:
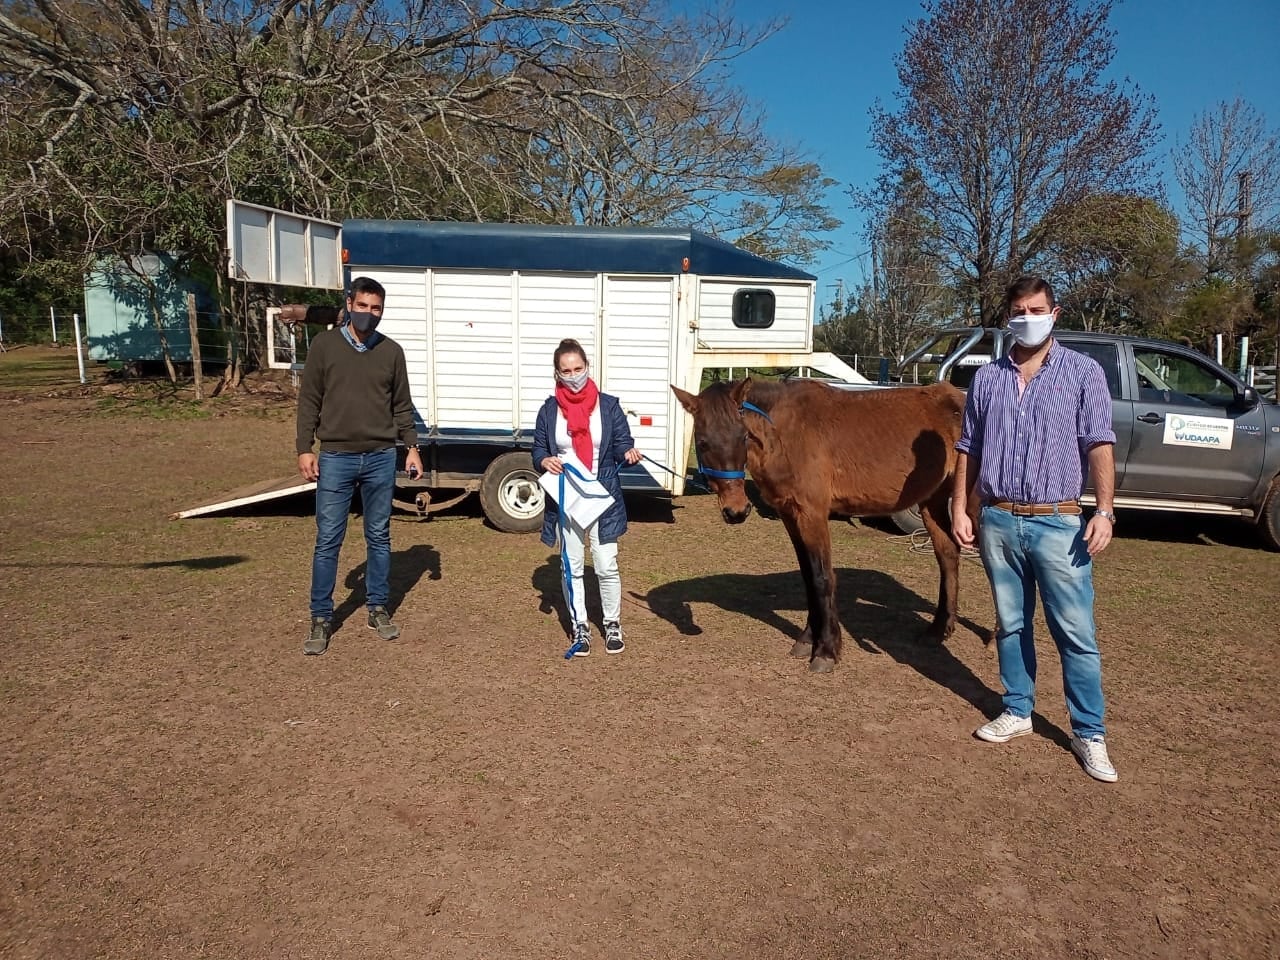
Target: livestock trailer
[480, 307]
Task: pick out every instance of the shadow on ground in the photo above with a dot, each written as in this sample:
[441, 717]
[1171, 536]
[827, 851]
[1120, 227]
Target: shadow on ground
[878, 615]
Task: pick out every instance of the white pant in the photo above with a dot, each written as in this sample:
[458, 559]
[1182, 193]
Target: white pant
[604, 557]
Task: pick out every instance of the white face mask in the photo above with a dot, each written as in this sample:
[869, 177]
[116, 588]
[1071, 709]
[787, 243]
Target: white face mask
[1031, 329]
[576, 383]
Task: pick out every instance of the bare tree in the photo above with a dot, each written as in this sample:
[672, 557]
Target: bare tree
[909, 292]
[1229, 171]
[1006, 116]
[601, 112]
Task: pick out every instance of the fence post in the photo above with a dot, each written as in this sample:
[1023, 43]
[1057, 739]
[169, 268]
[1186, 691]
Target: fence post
[2, 347]
[75, 320]
[196, 363]
[53, 324]
[1244, 356]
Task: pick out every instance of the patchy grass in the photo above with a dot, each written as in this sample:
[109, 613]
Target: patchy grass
[28, 369]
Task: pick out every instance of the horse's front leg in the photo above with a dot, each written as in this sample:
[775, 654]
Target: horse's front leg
[945, 550]
[803, 647]
[812, 534]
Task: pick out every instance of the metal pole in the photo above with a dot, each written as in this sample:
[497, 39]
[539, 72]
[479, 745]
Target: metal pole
[53, 323]
[75, 320]
[1244, 356]
[1218, 355]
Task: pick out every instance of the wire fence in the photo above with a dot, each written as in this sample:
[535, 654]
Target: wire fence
[1263, 380]
[138, 349]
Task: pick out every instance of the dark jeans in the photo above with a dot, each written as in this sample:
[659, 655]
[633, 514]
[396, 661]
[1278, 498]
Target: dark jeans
[340, 474]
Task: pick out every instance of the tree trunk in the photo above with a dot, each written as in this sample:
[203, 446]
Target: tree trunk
[164, 341]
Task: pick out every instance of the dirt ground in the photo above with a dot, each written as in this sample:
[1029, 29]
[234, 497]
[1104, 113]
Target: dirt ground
[180, 781]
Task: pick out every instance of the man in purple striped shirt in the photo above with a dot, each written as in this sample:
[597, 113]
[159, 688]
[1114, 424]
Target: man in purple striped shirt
[1036, 424]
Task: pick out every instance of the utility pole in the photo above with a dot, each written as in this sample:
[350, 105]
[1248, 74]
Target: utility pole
[1244, 204]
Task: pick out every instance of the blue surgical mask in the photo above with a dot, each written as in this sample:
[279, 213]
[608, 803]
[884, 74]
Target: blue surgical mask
[363, 321]
[576, 383]
[1031, 329]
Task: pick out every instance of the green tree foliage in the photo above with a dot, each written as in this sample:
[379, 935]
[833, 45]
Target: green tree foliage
[1117, 263]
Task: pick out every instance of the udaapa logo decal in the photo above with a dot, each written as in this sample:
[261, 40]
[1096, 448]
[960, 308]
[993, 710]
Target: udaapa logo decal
[1185, 431]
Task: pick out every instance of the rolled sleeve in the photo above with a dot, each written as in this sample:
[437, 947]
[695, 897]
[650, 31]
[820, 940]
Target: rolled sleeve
[970, 441]
[1095, 408]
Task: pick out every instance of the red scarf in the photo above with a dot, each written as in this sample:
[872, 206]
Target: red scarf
[576, 408]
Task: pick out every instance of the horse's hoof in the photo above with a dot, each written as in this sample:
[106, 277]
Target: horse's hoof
[821, 665]
[802, 649]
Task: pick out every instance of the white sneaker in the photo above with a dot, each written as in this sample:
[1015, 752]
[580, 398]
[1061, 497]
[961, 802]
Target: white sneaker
[1093, 754]
[1004, 728]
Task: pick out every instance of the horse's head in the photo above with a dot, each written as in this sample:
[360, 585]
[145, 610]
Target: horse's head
[720, 443]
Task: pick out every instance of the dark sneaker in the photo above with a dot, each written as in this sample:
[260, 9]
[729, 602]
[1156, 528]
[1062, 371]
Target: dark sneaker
[380, 620]
[581, 637]
[318, 642]
[613, 637]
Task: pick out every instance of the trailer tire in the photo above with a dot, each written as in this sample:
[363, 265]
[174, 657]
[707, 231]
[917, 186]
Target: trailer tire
[908, 520]
[1269, 516]
[510, 495]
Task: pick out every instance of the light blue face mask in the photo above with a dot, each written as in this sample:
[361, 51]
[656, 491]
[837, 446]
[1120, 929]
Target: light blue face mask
[576, 384]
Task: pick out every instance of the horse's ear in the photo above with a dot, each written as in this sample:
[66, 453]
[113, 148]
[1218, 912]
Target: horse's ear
[740, 391]
[687, 400]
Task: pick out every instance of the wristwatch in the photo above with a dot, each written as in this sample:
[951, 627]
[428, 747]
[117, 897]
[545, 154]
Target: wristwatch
[1105, 513]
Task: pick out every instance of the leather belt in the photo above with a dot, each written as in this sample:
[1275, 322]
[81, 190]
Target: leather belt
[1038, 509]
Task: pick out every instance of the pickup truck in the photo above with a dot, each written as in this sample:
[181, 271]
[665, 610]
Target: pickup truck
[1190, 436]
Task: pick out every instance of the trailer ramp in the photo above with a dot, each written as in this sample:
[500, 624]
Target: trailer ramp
[258, 492]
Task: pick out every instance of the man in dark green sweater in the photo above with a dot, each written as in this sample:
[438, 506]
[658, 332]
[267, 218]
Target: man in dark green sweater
[355, 401]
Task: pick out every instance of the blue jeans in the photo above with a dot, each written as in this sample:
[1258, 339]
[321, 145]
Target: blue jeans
[1021, 554]
[340, 474]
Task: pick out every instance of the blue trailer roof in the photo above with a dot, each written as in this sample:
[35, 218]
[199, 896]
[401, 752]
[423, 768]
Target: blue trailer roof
[522, 246]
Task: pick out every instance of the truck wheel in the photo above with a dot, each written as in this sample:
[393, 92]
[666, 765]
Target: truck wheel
[510, 494]
[908, 520]
[1269, 516]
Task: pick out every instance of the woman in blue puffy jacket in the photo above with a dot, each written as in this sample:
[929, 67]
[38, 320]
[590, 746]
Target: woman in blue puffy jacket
[578, 418]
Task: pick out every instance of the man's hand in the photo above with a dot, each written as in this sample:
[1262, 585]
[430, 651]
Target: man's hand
[1097, 535]
[309, 467]
[961, 524]
[413, 463]
[633, 456]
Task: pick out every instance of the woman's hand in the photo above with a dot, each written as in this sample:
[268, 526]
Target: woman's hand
[633, 456]
[552, 465]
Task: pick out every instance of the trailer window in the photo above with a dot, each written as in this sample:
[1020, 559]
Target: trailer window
[753, 308]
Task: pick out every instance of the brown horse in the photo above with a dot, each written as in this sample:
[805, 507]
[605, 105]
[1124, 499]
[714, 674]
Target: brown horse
[814, 450]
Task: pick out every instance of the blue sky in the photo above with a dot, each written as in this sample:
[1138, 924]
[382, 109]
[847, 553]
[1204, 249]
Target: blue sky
[820, 75]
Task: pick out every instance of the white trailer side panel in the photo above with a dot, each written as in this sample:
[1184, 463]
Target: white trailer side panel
[553, 307]
[639, 313]
[792, 323]
[473, 349]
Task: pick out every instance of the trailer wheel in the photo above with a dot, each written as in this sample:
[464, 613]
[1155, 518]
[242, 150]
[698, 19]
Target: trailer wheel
[1269, 516]
[908, 520]
[510, 494]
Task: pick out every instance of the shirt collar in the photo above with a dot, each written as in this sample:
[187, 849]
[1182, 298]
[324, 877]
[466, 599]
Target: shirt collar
[373, 338]
[1055, 350]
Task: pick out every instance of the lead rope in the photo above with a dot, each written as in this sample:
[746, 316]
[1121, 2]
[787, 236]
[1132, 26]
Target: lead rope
[565, 570]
